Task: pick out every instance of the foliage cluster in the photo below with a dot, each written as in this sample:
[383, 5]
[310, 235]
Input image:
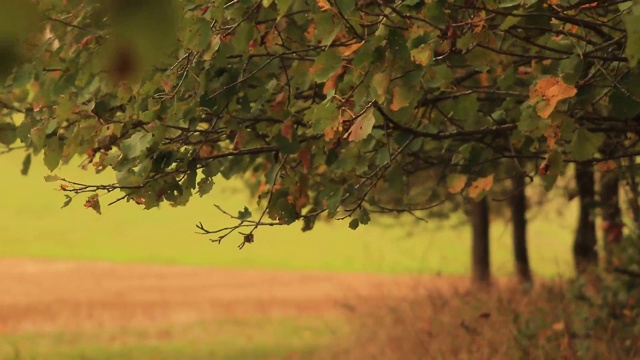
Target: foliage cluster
[344, 108]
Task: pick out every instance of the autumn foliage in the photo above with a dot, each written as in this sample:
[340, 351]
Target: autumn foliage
[325, 108]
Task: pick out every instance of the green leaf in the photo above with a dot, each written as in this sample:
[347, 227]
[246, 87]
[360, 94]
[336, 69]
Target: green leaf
[422, 55]
[585, 144]
[244, 214]
[286, 146]
[623, 106]
[67, 201]
[136, 144]
[326, 64]
[353, 224]
[51, 178]
[52, 153]
[334, 201]
[570, 69]
[380, 84]
[283, 7]
[632, 24]
[508, 22]
[281, 209]
[466, 109]
[401, 97]
[37, 137]
[309, 221]
[363, 216]
[93, 202]
[555, 165]
[26, 165]
[326, 28]
[8, 133]
[322, 115]
[205, 185]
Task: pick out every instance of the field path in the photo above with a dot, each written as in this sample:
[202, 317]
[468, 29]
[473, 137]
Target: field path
[41, 295]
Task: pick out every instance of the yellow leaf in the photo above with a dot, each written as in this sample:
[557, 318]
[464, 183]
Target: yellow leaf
[456, 182]
[362, 126]
[380, 83]
[400, 98]
[422, 55]
[324, 5]
[348, 50]
[559, 326]
[479, 186]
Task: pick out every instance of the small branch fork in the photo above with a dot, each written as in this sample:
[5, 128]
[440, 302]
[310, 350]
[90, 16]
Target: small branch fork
[247, 238]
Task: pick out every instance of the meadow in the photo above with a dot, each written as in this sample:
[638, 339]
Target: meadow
[34, 227]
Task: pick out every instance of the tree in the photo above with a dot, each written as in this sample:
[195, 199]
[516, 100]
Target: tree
[479, 215]
[519, 215]
[611, 214]
[324, 108]
[584, 246]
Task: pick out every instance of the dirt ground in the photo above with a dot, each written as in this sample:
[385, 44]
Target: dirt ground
[42, 295]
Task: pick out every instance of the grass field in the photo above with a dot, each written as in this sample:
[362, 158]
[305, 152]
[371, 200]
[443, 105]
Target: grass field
[255, 338]
[32, 225]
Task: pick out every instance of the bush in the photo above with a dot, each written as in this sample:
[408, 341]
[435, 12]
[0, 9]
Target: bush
[584, 319]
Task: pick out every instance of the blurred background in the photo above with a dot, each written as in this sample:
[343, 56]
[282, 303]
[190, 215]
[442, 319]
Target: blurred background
[132, 283]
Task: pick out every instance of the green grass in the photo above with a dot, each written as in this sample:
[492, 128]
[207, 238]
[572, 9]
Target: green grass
[226, 339]
[33, 225]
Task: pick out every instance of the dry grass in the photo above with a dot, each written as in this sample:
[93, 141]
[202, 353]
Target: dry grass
[509, 322]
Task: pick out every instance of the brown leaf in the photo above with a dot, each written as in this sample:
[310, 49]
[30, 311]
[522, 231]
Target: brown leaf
[93, 202]
[305, 157]
[311, 31]
[324, 5]
[332, 82]
[279, 101]
[166, 86]
[548, 92]
[238, 142]
[330, 131]
[287, 129]
[348, 50]
[485, 315]
[552, 133]
[605, 166]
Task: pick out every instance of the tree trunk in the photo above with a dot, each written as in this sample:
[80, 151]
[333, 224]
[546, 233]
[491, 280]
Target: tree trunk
[611, 214]
[584, 246]
[479, 213]
[518, 214]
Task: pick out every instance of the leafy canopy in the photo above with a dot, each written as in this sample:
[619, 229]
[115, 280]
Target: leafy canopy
[336, 107]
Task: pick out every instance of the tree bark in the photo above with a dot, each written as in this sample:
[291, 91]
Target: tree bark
[611, 214]
[479, 213]
[584, 246]
[518, 214]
